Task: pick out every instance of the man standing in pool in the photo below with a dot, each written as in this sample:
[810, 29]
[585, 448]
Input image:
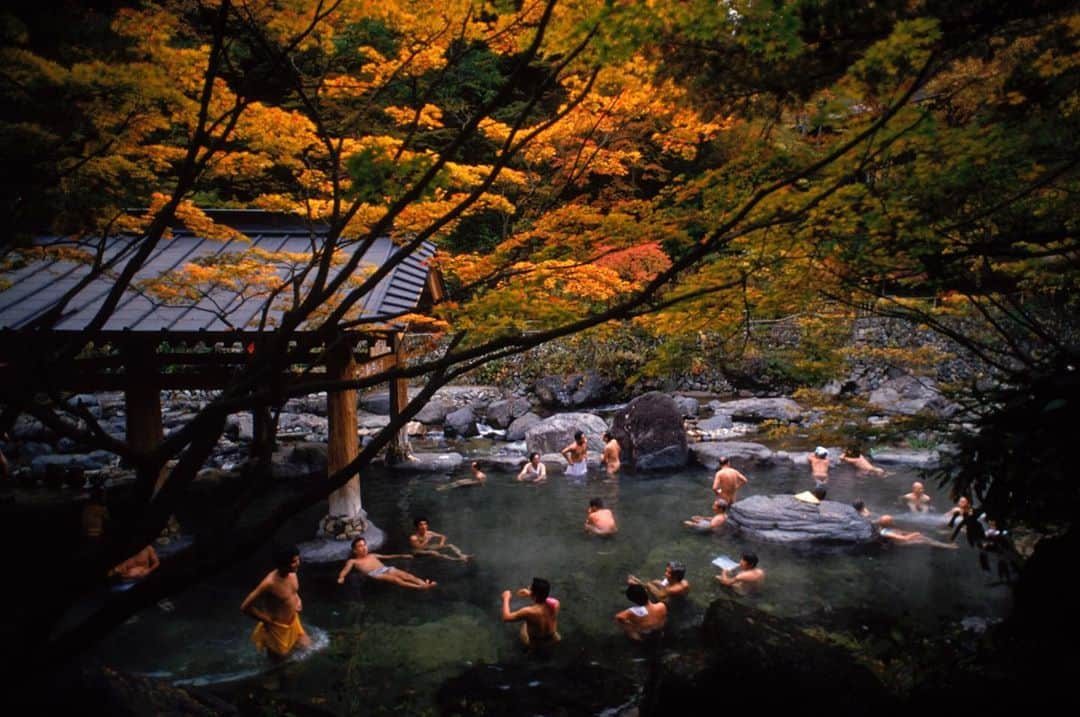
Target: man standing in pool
[275, 603]
[819, 465]
[576, 455]
[541, 619]
[612, 451]
[727, 481]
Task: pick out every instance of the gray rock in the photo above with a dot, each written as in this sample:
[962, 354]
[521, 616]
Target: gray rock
[314, 403]
[688, 406]
[431, 463]
[572, 390]
[461, 422]
[782, 519]
[502, 413]
[520, 426]
[245, 430]
[313, 455]
[371, 421]
[89, 401]
[650, 431]
[553, 434]
[709, 453]
[27, 428]
[305, 423]
[95, 460]
[909, 395]
[902, 457]
[760, 409]
[719, 422]
[435, 410]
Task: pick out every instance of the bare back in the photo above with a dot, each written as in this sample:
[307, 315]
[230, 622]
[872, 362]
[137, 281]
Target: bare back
[726, 483]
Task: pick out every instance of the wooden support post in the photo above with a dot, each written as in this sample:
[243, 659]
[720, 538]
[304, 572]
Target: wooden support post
[142, 400]
[343, 444]
[398, 449]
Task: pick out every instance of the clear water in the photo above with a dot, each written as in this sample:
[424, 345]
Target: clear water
[378, 645]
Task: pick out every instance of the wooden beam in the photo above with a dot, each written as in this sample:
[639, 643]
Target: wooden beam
[398, 449]
[342, 445]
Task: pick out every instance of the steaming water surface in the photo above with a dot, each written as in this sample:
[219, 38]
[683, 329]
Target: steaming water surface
[376, 643]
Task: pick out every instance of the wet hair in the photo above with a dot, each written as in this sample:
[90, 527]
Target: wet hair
[578, 435]
[474, 464]
[859, 505]
[534, 454]
[678, 570]
[608, 436]
[724, 460]
[751, 559]
[819, 491]
[637, 594]
[596, 502]
[853, 451]
[721, 505]
[420, 519]
[357, 540]
[540, 589]
[283, 556]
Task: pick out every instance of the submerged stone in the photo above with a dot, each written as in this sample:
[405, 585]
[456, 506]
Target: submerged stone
[783, 519]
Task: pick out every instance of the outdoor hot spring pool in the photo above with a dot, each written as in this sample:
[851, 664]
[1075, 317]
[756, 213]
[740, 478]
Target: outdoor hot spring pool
[379, 647]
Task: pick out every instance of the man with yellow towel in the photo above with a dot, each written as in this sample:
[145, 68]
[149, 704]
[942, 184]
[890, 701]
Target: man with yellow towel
[275, 603]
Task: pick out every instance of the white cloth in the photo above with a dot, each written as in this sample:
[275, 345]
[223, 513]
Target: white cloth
[639, 610]
[577, 469]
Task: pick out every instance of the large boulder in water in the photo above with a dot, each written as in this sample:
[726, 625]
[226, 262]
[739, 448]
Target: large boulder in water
[521, 425]
[783, 519]
[650, 431]
[461, 422]
[553, 434]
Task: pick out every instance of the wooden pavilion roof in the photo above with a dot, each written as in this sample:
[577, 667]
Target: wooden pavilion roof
[223, 313]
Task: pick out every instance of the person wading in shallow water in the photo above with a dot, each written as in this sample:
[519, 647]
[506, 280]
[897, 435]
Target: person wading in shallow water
[541, 619]
[276, 604]
[576, 455]
[642, 619]
[612, 452]
[600, 520]
[727, 481]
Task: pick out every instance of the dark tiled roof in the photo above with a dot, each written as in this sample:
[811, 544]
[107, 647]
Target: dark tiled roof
[34, 288]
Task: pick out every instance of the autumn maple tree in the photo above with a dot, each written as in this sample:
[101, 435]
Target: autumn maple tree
[686, 169]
